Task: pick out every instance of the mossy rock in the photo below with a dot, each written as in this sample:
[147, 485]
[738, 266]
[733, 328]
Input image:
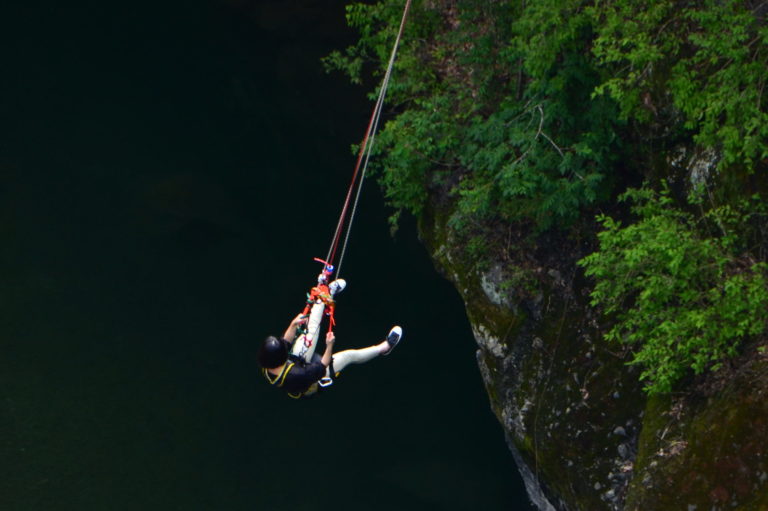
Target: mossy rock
[568, 405]
[707, 450]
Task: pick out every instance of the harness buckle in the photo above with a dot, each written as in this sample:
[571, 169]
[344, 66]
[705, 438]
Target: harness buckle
[325, 381]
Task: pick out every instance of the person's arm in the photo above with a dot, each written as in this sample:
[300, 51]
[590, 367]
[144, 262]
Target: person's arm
[290, 332]
[328, 354]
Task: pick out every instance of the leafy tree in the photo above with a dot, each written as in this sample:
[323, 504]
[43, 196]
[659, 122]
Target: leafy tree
[493, 103]
[680, 297]
[710, 57]
[535, 113]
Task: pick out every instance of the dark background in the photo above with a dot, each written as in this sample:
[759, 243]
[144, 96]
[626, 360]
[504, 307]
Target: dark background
[167, 174]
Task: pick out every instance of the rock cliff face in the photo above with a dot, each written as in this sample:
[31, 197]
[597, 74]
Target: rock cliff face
[516, 121]
[582, 431]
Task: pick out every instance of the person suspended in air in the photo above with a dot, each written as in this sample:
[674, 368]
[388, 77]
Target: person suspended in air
[290, 362]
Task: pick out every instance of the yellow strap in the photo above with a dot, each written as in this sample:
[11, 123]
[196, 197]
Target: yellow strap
[286, 370]
[311, 390]
[279, 380]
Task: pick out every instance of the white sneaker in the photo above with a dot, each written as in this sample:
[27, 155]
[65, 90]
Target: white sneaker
[337, 286]
[393, 337]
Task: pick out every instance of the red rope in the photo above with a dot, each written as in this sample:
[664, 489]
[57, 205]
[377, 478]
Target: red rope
[364, 145]
[342, 217]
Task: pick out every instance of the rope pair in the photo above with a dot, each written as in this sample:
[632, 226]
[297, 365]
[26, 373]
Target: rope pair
[364, 155]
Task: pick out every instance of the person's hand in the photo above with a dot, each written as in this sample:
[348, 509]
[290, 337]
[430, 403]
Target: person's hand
[298, 320]
[330, 338]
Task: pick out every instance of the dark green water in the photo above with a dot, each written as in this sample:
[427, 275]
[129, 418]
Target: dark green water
[167, 174]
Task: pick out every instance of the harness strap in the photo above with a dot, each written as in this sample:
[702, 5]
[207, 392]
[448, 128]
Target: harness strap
[323, 293]
[279, 380]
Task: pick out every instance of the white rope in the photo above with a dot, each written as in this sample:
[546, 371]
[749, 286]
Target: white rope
[371, 135]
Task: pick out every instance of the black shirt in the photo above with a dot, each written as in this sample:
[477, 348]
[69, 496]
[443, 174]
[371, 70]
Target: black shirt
[297, 374]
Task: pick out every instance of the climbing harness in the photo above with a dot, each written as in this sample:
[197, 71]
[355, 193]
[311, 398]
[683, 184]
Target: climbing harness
[327, 381]
[320, 298]
[319, 303]
[279, 380]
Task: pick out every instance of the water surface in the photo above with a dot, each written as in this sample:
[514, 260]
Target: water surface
[167, 173]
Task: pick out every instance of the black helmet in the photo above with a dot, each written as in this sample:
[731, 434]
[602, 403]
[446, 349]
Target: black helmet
[273, 352]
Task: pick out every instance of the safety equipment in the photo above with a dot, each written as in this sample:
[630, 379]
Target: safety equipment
[279, 380]
[319, 303]
[320, 298]
[273, 353]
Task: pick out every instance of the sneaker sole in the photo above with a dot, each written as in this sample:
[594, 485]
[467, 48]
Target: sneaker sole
[398, 331]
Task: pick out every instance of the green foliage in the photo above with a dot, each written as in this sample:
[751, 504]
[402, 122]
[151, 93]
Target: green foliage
[531, 113]
[477, 250]
[675, 287]
[709, 56]
[493, 102]
[519, 281]
[521, 111]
